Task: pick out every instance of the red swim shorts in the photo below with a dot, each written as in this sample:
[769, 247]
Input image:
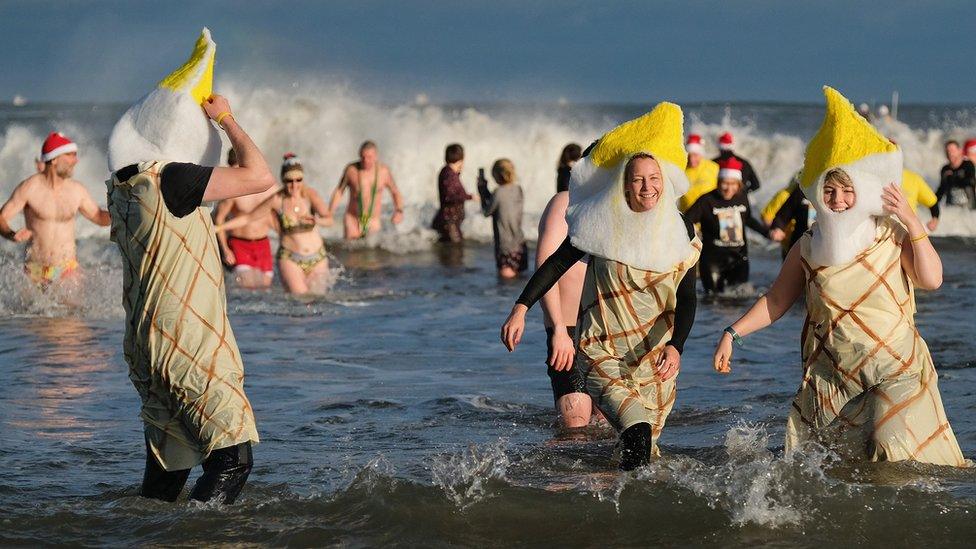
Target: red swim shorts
[252, 254]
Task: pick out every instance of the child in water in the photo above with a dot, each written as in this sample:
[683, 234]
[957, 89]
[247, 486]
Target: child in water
[505, 208]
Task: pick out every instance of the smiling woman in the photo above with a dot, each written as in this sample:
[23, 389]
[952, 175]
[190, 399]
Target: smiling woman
[636, 310]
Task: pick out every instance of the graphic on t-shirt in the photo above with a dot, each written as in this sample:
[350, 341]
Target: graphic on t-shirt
[958, 196]
[730, 230]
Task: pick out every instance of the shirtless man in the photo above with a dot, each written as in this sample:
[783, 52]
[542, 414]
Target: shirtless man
[50, 200]
[365, 181]
[247, 249]
[560, 307]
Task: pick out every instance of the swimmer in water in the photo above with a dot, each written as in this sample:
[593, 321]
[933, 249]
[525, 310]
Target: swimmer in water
[560, 305]
[180, 347]
[869, 388]
[299, 211]
[638, 301]
[50, 200]
[247, 249]
[366, 180]
[723, 215]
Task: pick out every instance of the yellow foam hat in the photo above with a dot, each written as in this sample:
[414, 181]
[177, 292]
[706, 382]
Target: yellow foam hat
[658, 132]
[168, 123]
[196, 75]
[844, 137]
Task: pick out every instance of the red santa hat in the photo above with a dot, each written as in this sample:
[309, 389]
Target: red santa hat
[55, 145]
[694, 144]
[725, 141]
[970, 146]
[730, 168]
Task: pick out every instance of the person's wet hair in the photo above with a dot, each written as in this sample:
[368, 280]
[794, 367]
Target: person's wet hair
[503, 171]
[951, 142]
[368, 144]
[453, 153]
[571, 153]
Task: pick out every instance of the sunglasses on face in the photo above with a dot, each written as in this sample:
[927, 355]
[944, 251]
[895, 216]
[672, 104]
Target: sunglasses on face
[299, 180]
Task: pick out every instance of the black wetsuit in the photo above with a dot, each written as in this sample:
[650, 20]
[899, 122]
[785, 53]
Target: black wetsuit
[725, 252]
[749, 177]
[797, 209]
[225, 470]
[635, 440]
[957, 184]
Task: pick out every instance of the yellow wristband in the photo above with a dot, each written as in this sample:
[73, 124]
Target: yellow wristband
[923, 237]
[220, 117]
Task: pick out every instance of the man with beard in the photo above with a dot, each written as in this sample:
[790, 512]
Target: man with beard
[50, 200]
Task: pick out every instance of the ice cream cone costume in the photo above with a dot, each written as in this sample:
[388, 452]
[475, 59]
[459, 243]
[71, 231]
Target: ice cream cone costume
[869, 387]
[168, 123]
[637, 260]
[179, 345]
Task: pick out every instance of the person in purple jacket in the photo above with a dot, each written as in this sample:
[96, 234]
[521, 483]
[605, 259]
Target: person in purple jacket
[448, 220]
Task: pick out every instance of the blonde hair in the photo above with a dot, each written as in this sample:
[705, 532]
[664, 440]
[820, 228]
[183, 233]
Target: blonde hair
[837, 175]
[503, 171]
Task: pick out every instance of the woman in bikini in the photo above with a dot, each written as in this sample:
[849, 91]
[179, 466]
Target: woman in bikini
[298, 210]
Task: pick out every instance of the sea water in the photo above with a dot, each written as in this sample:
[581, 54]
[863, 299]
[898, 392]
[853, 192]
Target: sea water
[390, 413]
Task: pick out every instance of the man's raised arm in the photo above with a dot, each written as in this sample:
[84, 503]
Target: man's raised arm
[252, 175]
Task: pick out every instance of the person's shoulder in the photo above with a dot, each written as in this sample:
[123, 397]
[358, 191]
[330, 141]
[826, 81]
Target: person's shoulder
[558, 203]
[30, 182]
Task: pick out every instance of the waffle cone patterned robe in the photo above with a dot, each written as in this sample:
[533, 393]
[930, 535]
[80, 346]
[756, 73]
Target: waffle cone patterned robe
[182, 355]
[626, 318]
[869, 387]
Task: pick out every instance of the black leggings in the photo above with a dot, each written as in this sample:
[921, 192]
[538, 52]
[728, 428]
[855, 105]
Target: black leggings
[723, 268]
[224, 473]
[636, 446]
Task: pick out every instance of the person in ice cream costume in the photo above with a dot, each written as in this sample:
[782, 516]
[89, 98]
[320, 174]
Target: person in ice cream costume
[869, 388]
[179, 345]
[638, 302]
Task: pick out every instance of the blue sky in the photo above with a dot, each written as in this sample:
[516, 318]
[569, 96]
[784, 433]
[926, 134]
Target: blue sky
[500, 50]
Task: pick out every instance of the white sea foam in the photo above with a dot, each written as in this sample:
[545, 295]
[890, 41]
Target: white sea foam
[324, 124]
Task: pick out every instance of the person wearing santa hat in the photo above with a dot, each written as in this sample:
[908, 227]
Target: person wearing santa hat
[970, 150]
[702, 173]
[749, 178]
[723, 215]
[957, 180]
[50, 200]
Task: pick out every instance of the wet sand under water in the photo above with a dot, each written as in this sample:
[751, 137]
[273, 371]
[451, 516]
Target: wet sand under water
[391, 415]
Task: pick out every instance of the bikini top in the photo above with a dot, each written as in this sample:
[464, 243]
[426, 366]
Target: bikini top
[290, 225]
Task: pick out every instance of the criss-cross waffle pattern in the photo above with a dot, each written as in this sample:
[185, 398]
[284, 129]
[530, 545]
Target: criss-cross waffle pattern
[182, 355]
[626, 319]
[869, 387]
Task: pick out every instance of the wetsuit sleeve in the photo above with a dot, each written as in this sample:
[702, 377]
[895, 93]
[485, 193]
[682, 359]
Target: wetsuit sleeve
[182, 186]
[488, 202]
[550, 272]
[754, 223]
[787, 210]
[945, 183]
[934, 210]
[686, 306]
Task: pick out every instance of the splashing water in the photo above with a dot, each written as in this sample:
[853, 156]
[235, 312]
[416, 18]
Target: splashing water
[464, 476]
